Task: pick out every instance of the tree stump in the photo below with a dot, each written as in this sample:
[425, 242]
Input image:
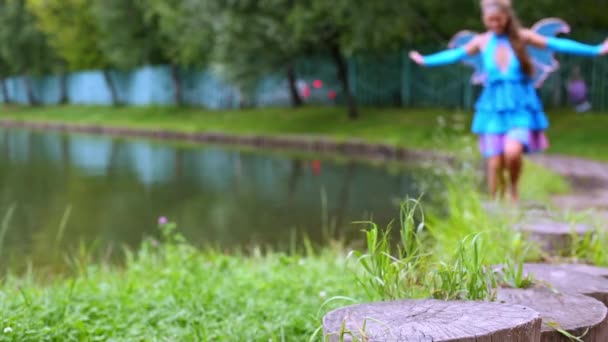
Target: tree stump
[568, 281]
[539, 214]
[579, 315]
[433, 320]
[497, 208]
[552, 236]
[587, 269]
[604, 219]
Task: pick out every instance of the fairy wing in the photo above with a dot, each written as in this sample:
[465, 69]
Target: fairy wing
[461, 39]
[544, 59]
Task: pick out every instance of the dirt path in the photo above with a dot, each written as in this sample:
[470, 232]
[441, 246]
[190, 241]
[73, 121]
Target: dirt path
[588, 178]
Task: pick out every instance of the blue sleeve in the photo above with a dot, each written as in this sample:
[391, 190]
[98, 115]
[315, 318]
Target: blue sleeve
[445, 57]
[572, 47]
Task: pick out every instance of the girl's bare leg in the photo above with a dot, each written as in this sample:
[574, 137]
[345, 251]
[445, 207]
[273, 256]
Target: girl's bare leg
[496, 180]
[514, 162]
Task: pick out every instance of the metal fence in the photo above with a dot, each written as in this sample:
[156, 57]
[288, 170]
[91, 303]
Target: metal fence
[387, 80]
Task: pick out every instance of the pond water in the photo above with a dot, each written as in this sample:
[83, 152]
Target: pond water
[110, 193]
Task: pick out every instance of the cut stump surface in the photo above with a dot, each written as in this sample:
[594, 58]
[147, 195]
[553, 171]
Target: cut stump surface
[587, 269]
[577, 314]
[433, 320]
[567, 281]
[552, 236]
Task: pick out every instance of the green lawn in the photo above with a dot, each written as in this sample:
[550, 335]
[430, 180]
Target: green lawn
[570, 133]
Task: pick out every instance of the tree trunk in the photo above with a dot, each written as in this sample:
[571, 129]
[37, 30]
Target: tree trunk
[31, 98]
[177, 85]
[63, 88]
[342, 68]
[296, 100]
[5, 97]
[111, 87]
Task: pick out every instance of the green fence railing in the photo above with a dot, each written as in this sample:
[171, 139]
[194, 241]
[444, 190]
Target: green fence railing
[393, 80]
[376, 80]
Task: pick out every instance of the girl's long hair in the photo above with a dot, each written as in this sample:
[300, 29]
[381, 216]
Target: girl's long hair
[513, 29]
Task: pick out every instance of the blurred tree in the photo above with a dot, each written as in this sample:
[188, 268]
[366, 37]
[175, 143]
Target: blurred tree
[130, 35]
[4, 73]
[253, 39]
[343, 27]
[183, 31]
[125, 38]
[72, 33]
[23, 48]
[437, 21]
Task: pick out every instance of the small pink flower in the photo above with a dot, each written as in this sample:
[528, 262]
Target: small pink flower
[306, 92]
[163, 220]
[317, 84]
[332, 94]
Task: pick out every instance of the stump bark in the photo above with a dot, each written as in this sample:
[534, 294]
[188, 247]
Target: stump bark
[552, 236]
[579, 315]
[433, 320]
[568, 281]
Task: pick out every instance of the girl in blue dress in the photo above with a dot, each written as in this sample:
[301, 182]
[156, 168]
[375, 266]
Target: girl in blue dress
[509, 117]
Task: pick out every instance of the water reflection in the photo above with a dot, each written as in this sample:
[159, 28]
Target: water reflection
[117, 189]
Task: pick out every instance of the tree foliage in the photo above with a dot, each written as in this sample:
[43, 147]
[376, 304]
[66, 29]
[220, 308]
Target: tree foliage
[71, 30]
[253, 39]
[184, 29]
[126, 38]
[23, 47]
[342, 27]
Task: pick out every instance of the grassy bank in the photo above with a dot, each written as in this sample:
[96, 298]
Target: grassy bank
[175, 293]
[171, 291]
[572, 134]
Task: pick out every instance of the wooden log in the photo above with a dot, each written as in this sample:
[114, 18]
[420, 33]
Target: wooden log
[568, 281]
[552, 236]
[433, 320]
[578, 315]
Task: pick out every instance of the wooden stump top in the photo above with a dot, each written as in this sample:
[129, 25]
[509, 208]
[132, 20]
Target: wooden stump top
[433, 320]
[587, 269]
[542, 225]
[567, 281]
[577, 314]
[552, 236]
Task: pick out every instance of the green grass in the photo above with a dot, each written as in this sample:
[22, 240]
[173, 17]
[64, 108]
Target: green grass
[176, 293]
[171, 291]
[572, 134]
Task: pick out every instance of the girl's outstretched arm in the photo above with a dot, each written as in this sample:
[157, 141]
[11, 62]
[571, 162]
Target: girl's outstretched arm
[564, 45]
[448, 56]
